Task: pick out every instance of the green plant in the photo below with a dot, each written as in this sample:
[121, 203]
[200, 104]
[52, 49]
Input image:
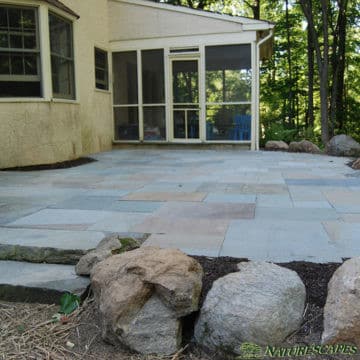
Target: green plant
[69, 303]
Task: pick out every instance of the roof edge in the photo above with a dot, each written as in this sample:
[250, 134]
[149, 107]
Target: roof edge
[59, 5]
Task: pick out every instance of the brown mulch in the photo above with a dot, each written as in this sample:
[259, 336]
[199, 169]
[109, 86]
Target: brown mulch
[59, 165]
[27, 333]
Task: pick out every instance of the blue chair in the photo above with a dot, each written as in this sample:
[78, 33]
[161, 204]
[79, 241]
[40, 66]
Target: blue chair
[209, 130]
[242, 128]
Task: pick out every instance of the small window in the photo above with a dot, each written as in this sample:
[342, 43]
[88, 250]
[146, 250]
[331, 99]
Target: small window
[101, 70]
[19, 52]
[62, 57]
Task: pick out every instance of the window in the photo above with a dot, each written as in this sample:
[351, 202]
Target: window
[62, 57]
[228, 92]
[153, 88]
[19, 52]
[101, 70]
[126, 106]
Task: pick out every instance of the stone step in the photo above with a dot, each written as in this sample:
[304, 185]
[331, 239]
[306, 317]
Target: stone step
[43, 283]
[46, 246]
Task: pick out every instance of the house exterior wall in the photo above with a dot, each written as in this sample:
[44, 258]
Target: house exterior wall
[47, 130]
[130, 21]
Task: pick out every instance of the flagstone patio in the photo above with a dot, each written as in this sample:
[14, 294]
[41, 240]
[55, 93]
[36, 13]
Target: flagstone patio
[260, 205]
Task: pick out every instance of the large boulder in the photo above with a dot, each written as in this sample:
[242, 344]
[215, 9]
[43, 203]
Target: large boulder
[262, 303]
[276, 146]
[107, 247]
[342, 308]
[142, 296]
[343, 145]
[304, 146]
[356, 164]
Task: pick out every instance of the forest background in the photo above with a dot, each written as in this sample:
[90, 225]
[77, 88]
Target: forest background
[310, 88]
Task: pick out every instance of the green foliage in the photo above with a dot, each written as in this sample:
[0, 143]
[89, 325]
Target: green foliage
[127, 244]
[276, 131]
[69, 303]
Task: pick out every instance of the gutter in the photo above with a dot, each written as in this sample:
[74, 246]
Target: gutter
[257, 80]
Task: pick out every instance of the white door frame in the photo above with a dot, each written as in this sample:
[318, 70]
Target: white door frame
[184, 57]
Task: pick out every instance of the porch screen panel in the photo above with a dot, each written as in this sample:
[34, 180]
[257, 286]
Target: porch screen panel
[228, 92]
[126, 102]
[153, 90]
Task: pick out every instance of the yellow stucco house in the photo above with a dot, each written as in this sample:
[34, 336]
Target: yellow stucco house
[77, 76]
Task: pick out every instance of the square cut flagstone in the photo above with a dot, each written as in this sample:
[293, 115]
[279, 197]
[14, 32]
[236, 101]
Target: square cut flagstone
[192, 244]
[211, 211]
[165, 196]
[72, 240]
[61, 219]
[344, 201]
[345, 237]
[312, 204]
[280, 241]
[178, 187]
[136, 206]
[118, 222]
[275, 200]
[306, 193]
[86, 202]
[296, 214]
[172, 225]
[230, 198]
[351, 218]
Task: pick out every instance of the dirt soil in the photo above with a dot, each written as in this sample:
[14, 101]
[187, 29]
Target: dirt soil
[83, 329]
[60, 165]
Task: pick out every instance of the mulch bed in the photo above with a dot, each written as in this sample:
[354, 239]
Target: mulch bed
[59, 165]
[84, 329]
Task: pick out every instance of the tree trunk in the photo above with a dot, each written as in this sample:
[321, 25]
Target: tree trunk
[310, 112]
[322, 59]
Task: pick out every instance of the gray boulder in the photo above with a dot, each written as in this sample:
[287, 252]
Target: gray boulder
[276, 146]
[342, 308]
[107, 247]
[343, 145]
[142, 296]
[304, 146]
[356, 164]
[262, 303]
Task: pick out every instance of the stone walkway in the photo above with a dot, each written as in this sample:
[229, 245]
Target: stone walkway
[258, 205]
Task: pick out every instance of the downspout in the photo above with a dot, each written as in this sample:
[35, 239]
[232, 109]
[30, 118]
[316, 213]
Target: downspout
[257, 79]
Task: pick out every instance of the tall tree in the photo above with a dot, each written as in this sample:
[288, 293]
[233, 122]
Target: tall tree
[322, 57]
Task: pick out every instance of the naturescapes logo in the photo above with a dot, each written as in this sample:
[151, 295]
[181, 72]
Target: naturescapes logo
[250, 351]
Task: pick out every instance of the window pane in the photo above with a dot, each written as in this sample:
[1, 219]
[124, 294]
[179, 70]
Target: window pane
[185, 81]
[228, 122]
[154, 123]
[20, 89]
[153, 76]
[228, 73]
[30, 41]
[126, 123]
[16, 41]
[4, 40]
[28, 20]
[62, 77]
[62, 62]
[4, 64]
[101, 70]
[15, 23]
[60, 37]
[125, 78]
[3, 19]
[30, 63]
[17, 65]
